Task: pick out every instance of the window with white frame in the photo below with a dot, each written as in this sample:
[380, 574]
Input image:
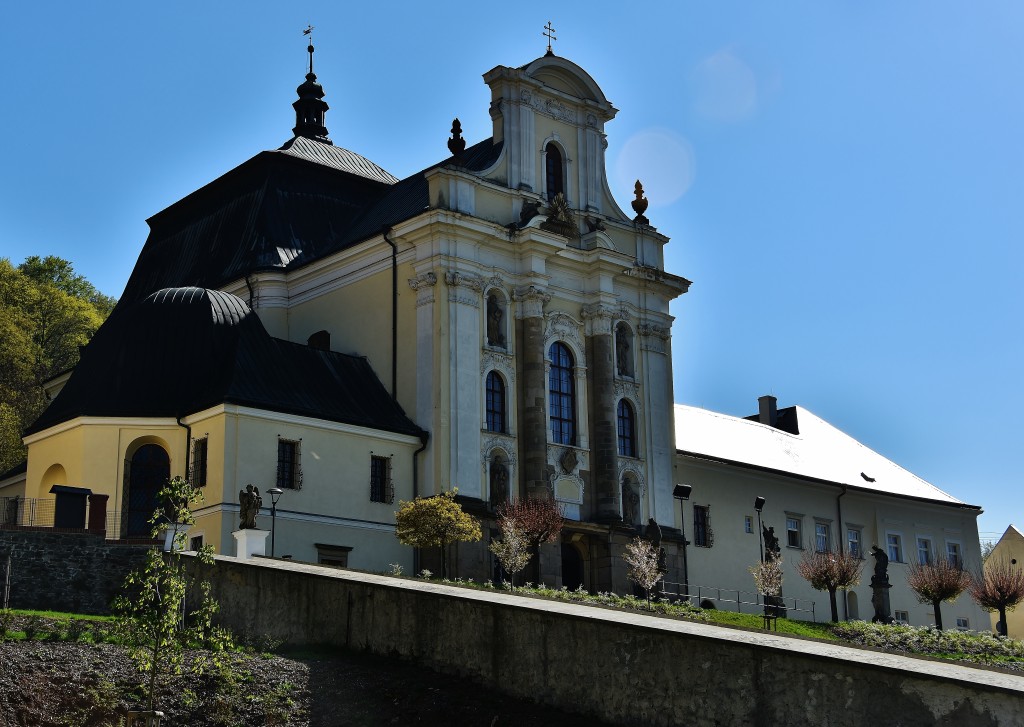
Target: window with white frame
[822, 537]
[894, 547]
[901, 616]
[853, 540]
[793, 537]
[924, 551]
[953, 554]
[962, 622]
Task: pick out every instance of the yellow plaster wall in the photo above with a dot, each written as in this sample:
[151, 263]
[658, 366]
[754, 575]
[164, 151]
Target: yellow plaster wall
[1010, 547]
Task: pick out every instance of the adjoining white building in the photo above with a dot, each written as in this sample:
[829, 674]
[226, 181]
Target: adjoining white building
[822, 490]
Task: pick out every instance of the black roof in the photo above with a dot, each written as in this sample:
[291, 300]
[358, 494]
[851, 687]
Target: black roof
[280, 210]
[182, 350]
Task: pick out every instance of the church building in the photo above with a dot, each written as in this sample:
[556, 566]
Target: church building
[495, 323]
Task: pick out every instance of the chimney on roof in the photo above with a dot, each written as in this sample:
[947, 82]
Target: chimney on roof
[768, 410]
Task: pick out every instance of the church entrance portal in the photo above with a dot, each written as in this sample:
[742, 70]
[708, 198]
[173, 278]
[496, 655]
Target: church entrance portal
[149, 471]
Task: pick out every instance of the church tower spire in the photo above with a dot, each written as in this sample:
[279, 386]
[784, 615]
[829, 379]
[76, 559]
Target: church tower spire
[310, 108]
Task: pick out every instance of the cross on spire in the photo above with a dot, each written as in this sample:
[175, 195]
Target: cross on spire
[549, 33]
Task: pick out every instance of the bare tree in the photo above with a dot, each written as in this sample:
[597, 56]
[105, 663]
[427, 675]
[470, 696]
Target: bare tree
[830, 571]
[642, 565]
[540, 519]
[513, 550]
[1000, 587]
[940, 580]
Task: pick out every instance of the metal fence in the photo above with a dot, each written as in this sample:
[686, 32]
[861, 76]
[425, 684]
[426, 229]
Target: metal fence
[732, 599]
[39, 512]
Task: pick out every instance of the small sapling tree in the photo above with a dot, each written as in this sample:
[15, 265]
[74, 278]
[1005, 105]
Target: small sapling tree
[1000, 587]
[151, 617]
[513, 550]
[540, 519]
[435, 522]
[642, 565]
[830, 571]
[938, 581]
[768, 580]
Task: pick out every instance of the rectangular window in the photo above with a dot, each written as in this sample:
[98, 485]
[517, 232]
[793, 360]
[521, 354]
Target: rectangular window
[289, 473]
[902, 617]
[199, 451]
[963, 623]
[894, 547]
[853, 542]
[822, 539]
[333, 555]
[381, 488]
[748, 524]
[924, 551]
[953, 554]
[793, 532]
[195, 542]
[702, 535]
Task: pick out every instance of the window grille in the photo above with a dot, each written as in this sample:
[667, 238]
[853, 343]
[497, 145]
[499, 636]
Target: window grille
[200, 450]
[703, 535]
[289, 468]
[381, 487]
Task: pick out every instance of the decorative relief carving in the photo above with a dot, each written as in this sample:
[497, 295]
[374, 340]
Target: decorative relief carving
[592, 121]
[454, 279]
[563, 326]
[558, 487]
[629, 390]
[495, 281]
[427, 280]
[494, 442]
[549, 107]
[654, 337]
[491, 360]
[556, 452]
[598, 317]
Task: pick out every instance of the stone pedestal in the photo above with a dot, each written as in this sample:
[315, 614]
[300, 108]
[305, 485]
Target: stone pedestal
[880, 600]
[250, 542]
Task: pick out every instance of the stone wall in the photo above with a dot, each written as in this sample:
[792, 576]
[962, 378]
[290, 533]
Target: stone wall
[624, 667]
[60, 571]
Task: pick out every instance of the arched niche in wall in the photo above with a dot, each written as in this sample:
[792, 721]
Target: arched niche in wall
[624, 350]
[496, 334]
[147, 468]
[632, 513]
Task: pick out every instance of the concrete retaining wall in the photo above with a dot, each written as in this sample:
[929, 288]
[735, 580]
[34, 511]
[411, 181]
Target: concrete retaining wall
[623, 667]
[77, 572]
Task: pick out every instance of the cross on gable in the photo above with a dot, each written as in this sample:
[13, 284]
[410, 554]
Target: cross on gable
[549, 33]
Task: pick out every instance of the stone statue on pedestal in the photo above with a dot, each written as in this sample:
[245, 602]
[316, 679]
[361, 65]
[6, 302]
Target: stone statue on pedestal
[880, 587]
[249, 502]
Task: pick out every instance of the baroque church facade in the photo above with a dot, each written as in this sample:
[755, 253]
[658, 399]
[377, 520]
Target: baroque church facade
[495, 323]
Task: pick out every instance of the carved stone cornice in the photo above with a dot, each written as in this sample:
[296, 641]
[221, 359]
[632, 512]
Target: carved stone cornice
[549, 107]
[531, 300]
[562, 326]
[654, 337]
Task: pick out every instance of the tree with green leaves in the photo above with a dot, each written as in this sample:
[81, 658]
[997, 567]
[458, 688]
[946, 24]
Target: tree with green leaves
[151, 616]
[47, 312]
[435, 522]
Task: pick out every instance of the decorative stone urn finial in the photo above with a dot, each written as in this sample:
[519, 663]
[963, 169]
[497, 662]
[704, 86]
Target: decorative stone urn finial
[456, 145]
[640, 205]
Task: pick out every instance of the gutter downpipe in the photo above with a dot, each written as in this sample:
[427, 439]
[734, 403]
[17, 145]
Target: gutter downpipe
[839, 521]
[394, 312]
[188, 443]
[424, 438]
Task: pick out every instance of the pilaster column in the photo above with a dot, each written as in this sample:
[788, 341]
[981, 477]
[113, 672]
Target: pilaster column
[465, 339]
[427, 365]
[533, 434]
[604, 454]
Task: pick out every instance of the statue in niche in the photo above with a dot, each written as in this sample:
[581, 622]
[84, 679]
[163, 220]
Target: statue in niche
[495, 334]
[881, 575]
[630, 504]
[772, 549]
[249, 502]
[622, 352]
[499, 482]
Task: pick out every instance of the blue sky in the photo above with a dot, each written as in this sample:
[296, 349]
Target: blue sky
[842, 181]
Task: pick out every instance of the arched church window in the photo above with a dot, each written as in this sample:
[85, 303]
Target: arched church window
[496, 421]
[562, 395]
[495, 321]
[627, 429]
[554, 171]
[623, 350]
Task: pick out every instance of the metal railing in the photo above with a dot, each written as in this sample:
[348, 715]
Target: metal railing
[734, 599]
[39, 512]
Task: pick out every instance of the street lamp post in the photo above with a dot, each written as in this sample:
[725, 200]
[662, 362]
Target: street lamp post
[682, 493]
[275, 495]
[759, 505]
